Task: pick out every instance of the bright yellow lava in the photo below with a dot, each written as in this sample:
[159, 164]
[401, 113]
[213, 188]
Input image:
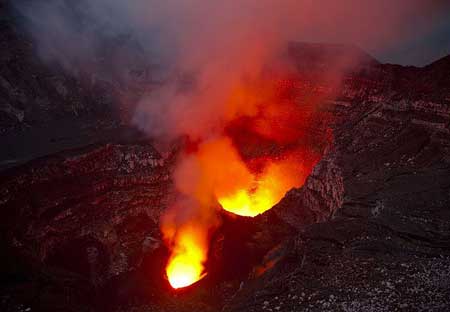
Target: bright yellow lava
[245, 203]
[271, 186]
[185, 265]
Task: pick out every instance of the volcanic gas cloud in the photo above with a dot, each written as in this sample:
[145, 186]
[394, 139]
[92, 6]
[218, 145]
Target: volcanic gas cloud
[231, 88]
[214, 172]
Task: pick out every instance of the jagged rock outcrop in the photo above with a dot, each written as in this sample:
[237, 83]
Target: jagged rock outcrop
[317, 200]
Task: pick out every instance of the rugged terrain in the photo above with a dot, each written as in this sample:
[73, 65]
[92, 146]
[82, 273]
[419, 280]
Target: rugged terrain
[369, 231]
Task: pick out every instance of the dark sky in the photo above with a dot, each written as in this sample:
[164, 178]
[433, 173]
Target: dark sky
[425, 47]
[407, 32]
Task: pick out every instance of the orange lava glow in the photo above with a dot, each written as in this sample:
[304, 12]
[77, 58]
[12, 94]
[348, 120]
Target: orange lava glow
[186, 264]
[223, 173]
[265, 190]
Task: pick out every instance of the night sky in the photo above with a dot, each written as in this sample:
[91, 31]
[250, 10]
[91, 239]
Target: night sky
[431, 43]
[406, 32]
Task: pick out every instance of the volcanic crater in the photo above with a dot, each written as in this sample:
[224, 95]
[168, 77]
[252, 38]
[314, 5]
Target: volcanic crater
[367, 227]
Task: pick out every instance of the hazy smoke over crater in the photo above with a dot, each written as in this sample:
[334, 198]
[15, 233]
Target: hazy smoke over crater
[213, 43]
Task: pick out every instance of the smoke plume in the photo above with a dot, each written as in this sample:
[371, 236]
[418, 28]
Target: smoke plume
[207, 47]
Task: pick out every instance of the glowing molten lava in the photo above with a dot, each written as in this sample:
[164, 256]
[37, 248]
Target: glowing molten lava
[265, 190]
[186, 263]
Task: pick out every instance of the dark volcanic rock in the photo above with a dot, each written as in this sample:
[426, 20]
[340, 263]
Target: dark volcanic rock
[89, 215]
